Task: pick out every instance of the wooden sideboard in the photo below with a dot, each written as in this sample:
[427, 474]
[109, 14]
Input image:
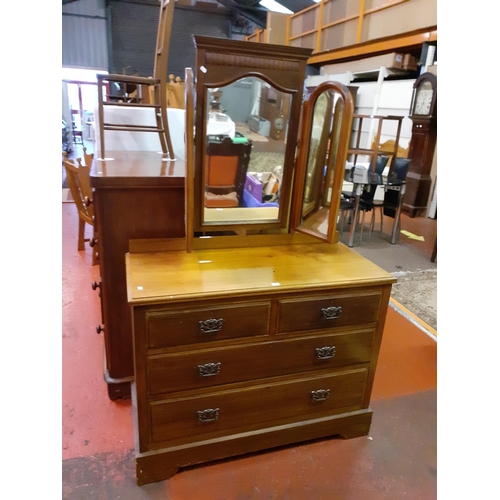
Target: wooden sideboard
[135, 195]
[244, 349]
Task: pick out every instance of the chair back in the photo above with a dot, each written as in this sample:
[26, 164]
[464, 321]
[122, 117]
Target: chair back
[78, 177]
[226, 166]
[400, 168]
[88, 158]
[163, 40]
[369, 192]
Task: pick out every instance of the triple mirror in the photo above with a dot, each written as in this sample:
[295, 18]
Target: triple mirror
[247, 175]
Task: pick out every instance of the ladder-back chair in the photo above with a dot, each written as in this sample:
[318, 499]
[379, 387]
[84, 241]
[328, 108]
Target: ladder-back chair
[158, 84]
[78, 177]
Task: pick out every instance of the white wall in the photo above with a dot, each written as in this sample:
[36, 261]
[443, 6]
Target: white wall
[394, 99]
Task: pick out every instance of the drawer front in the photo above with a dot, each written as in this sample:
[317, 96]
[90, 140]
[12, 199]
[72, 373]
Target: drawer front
[211, 367]
[220, 413]
[313, 313]
[192, 326]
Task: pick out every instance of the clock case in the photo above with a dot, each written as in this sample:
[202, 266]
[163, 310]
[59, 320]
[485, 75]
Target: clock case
[421, 153]
[417, 86]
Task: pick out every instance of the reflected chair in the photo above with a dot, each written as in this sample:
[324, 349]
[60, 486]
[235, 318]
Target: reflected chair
[78, 177]
[158, 84]
[226, 166]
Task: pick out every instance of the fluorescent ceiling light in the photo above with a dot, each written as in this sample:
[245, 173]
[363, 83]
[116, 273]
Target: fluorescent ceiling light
[274, 6]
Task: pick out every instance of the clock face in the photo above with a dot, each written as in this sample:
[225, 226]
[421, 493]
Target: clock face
[279, 124]
[423, 99]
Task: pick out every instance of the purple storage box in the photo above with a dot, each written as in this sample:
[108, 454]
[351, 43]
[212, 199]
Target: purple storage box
[254, 187]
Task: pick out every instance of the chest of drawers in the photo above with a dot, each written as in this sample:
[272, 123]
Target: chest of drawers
[240, 350]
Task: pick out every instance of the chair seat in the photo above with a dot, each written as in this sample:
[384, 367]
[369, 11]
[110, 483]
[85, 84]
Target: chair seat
[221, 200]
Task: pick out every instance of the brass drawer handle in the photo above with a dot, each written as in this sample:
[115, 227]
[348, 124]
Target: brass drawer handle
[208, 415]
[209, 369]
[211, 325]
[326, 352]
[320, 395]
[331, 312]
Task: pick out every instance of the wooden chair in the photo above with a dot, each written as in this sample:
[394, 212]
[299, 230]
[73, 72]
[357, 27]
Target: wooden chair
[225, 173]
[88, 158]
[175, 92]
[78, 177]
[158, 83]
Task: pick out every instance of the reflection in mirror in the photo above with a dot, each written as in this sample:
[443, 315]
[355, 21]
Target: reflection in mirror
[246, 132]
[326, 131]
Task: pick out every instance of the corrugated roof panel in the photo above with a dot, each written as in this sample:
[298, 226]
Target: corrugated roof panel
[84, 43]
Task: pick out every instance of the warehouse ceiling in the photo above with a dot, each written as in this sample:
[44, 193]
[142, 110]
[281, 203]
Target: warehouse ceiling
[257, 13]
[248, 8]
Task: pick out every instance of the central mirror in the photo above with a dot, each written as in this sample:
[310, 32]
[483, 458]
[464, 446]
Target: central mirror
[247, 114]
[246, 137]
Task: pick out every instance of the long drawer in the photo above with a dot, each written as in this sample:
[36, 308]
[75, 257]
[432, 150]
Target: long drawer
[193, 326]
[328, 311]
[211, 367]
[181, 420]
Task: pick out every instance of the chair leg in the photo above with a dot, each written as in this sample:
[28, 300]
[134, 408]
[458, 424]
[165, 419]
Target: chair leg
[362, 225]
[101, 117]
[162, 122]
[166, 130]
[372, 225]
[381, 218]
[81, 234]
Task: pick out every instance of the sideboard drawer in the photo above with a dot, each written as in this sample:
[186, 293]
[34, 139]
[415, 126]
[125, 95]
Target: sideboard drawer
[322, 312]
[211, 367]
[182, 420]
[168, 328]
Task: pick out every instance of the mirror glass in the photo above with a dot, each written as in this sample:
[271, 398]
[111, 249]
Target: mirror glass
[246, 136]
[327, 120]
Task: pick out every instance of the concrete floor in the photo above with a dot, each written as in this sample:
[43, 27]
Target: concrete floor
[397, 460]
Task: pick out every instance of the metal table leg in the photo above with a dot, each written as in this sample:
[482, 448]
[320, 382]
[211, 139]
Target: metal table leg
[357, 190]
[397, 218]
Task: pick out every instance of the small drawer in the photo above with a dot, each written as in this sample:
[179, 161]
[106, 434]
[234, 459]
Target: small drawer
[323, 312]
[168, 328]
[183, 420]
[211, 367]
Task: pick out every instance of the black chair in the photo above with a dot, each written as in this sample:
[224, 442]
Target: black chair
[389, 204]
[366, 203]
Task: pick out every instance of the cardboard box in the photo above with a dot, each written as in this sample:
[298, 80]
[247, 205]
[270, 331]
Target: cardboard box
[397, 61]
[410, 62]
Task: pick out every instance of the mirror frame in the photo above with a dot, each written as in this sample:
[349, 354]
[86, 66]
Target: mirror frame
[220, 62]
[339, 167]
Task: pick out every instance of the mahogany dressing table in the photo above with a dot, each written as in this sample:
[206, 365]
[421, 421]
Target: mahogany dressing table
[254, 333]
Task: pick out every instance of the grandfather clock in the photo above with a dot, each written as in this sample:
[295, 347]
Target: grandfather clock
[423, 113]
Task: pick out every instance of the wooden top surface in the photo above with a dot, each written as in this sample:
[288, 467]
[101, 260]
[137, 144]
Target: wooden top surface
[123, 168]
[164, 276]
